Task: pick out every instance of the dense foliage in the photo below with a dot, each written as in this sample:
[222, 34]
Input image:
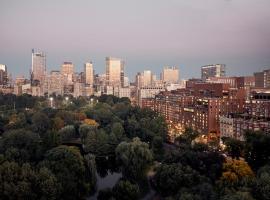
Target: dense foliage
[51, 152]
[55, 153]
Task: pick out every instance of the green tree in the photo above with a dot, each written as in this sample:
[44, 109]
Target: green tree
[118, 130]
[262, 185]
[169, 179]
[234, 147]
[257, 149]
[135, 158]
[68, 166]
[84, 130]
[125, 190]
[67, 133]
[157, 147]
[41, 123]
[20, 145]
[23, 182]
[97, 143]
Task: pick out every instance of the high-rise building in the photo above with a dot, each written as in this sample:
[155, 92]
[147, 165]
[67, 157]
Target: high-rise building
[262, 79]
[170, 75]
[3, 75]
[38, 66]
[114, 72]
[147, 78]
[208, 71]
[67, 68]
[67, 71]
[89, 73]
[55, 83]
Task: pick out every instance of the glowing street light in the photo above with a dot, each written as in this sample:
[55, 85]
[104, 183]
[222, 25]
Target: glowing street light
[51, 100]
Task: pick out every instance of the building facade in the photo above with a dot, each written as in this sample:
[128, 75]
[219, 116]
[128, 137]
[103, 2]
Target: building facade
[114, 72]
[170, 75]
[38, 66]
[217, 70]
[89, 73]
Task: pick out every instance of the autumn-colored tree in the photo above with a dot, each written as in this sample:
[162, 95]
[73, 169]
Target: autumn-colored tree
[90, 122]
[235, 172]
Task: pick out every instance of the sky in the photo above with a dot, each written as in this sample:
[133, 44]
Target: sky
[146, 34]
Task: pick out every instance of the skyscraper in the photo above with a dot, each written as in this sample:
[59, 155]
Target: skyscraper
[147, 78]
[89, 73]
[114, 72]
[67, 71]
[38, 66]
[170, 75]
[208, 71]
[3, 75]
[55, 83]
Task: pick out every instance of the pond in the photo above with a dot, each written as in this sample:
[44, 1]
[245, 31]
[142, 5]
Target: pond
[108, 174]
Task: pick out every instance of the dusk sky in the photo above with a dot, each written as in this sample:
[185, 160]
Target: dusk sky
[147, 34]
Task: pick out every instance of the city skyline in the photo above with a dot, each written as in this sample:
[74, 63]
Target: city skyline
[175, 33]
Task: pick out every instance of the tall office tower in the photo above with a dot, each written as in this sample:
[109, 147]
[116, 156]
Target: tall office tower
[67, 71]
[3, 75]
[147, 78]
[217, 70]
[55, 83]
[114, 72]
[89, 73]
[170, 75]
[38, 66]
[262, 79]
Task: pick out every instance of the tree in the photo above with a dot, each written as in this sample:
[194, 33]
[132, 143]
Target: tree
[157, 147]
[235, 172]
[41, 123]
[23, 182]
[68, 166]
[262, 186]
[233, 147]
[96, 143]
[169, 179]
[67, 133]
[84, 130]
[135, 158]
[20, 145]
[58, 123]
[125, 190]
[118, 130]
[238, 196]
[257, 149]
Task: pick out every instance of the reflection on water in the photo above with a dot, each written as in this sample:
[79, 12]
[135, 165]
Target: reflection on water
[108, 173]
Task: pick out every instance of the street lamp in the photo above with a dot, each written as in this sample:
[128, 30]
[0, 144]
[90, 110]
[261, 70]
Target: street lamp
[51, 100]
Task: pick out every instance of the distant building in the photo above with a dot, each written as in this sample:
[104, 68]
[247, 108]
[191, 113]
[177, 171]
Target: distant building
[236, 126]
[55, 83]
[3, 75]
[148, 92]
[170, 75]
[38, 66]
[89, 73]
[145, 79]
[114, 72]
[67, 71]
[121, 92]
[234, 82]
[262, 79]
[208, 71]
